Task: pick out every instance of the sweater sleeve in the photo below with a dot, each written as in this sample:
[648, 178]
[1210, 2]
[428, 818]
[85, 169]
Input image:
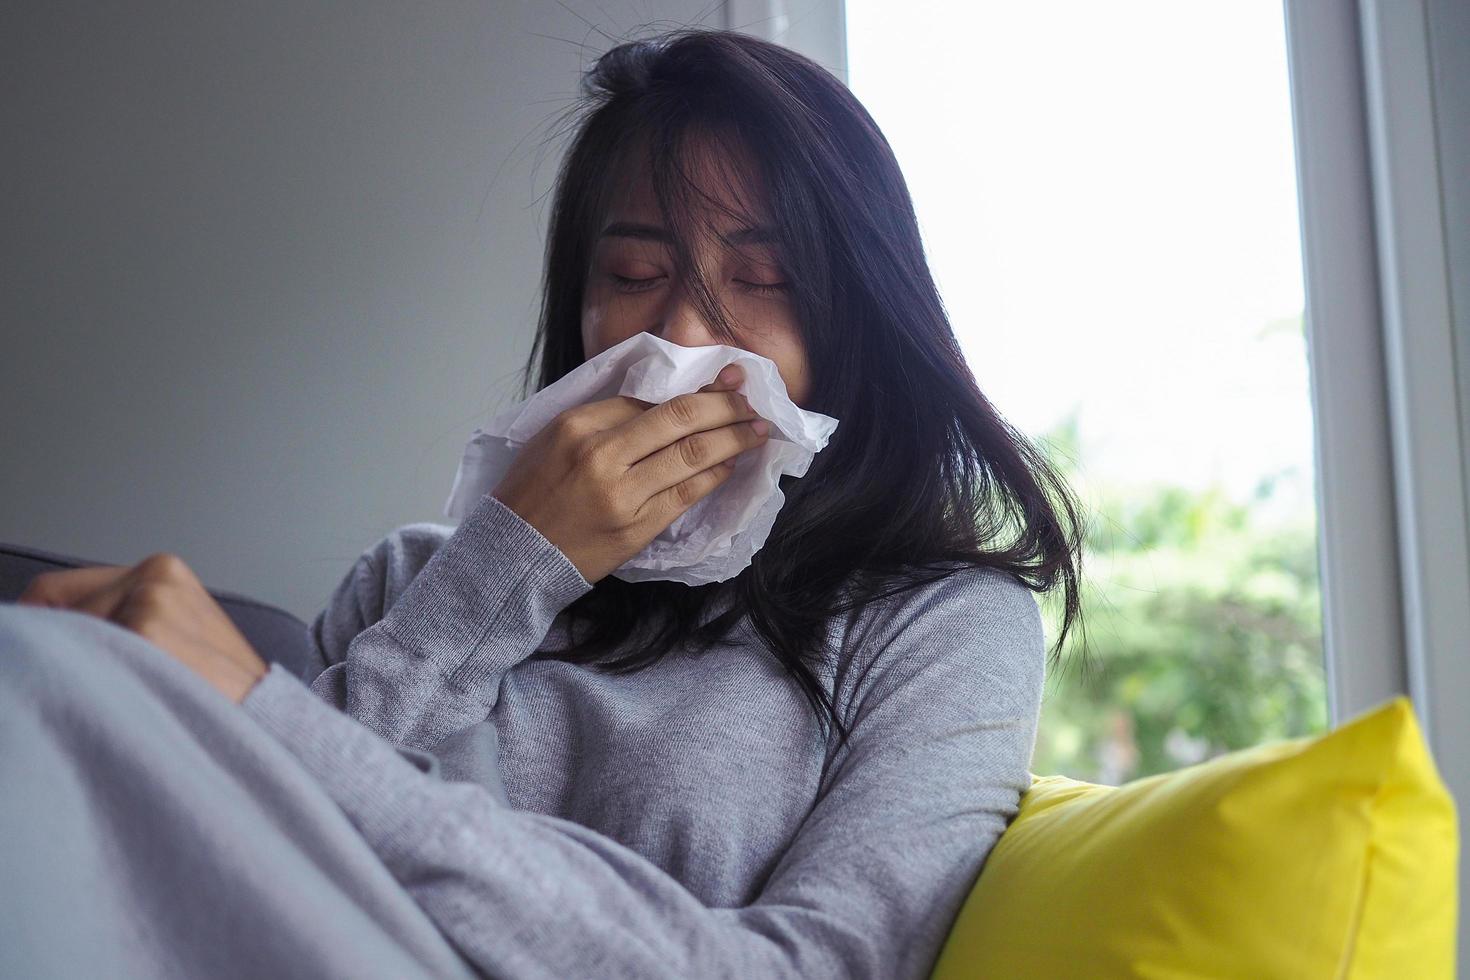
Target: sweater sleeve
[414, 641]
[943, 718]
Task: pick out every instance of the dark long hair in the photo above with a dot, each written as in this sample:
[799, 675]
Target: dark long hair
[922, 476]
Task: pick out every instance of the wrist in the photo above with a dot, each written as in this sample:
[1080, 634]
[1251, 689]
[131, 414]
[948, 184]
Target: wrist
[237, 682]
[588, 563]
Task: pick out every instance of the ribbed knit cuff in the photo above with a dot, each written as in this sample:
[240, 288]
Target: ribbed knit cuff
[463, 597]
[364, 773]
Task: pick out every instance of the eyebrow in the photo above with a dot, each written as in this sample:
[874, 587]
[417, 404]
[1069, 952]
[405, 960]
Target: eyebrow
[653, 233]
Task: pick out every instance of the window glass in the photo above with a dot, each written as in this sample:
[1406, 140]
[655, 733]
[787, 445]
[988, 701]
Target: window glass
[1107, 196]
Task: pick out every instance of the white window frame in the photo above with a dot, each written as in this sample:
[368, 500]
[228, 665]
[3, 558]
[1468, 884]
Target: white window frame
[1428, 410]
[1396, 540]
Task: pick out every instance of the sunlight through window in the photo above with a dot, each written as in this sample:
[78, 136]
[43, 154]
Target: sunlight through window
[1107, 195]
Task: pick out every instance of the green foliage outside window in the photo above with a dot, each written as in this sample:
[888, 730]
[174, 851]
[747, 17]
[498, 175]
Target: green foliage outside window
[1203, 624]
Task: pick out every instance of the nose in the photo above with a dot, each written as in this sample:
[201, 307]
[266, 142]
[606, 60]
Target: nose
[681, 323]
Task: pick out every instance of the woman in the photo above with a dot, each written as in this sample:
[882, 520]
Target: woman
[798, 772]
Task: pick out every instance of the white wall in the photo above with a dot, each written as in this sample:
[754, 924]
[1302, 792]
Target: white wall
[263, 267]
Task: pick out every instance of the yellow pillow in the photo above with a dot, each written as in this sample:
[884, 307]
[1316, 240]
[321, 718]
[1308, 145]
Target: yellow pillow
[1333, 856]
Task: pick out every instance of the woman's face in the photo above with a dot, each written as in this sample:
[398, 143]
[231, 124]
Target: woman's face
[632, 285]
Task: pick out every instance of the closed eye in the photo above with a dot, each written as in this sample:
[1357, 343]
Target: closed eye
[764, 288]
[631, 284]
[628, 284]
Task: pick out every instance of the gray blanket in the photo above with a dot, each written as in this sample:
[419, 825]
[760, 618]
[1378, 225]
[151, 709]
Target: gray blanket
[150, 828]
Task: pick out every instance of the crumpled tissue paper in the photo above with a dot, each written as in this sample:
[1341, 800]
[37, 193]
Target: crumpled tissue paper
[717, 537]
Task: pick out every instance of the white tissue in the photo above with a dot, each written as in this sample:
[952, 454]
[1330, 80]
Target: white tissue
[716, 538]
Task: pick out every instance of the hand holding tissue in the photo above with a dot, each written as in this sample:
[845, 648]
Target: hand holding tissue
[714, 539]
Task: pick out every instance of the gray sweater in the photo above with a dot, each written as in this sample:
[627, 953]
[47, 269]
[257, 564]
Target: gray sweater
[688, 820]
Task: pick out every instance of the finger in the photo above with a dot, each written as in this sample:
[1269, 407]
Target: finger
[105, 601]
[63, 588]
[696, 453]
[666, 505]
[729, 378]
[125, 583]
[603, 414]
[608, 413]
[676, 418]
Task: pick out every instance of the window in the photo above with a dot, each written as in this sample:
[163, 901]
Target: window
[1108, 197]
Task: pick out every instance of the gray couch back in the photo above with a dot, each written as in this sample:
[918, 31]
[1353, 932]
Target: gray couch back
[274, 633]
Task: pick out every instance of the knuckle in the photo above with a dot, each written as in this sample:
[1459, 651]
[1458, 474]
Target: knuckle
[571, 425]
[694, 450]
[165, 564]
[683, 409]
[689, 492]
